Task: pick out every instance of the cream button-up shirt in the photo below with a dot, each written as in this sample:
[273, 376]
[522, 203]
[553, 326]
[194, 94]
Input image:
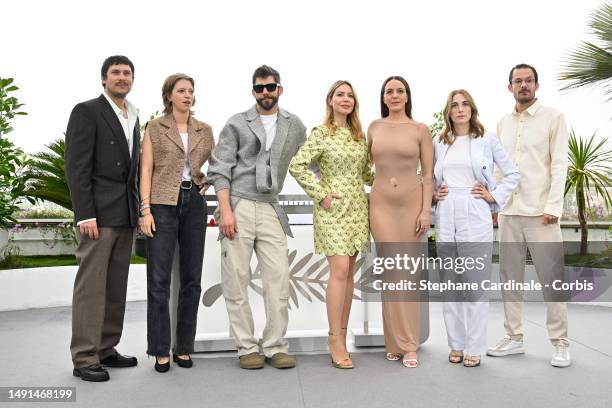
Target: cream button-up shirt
[537, 142]
[127, 124]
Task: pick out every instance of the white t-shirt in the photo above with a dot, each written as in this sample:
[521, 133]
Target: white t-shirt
[186, 171]
[269, 124]
[457, 166]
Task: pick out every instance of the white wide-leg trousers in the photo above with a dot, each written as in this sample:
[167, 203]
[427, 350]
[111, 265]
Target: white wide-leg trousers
[464, 229]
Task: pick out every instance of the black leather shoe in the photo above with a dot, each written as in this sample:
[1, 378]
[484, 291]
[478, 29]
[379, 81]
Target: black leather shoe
[182, 363]
[118, 361]
[94, 372]
[162, 368]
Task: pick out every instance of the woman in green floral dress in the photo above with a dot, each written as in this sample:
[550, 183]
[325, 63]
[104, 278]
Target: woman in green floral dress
[341, 226]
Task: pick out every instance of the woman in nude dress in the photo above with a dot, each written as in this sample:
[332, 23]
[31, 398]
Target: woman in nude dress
[400, 204]
[341, 207]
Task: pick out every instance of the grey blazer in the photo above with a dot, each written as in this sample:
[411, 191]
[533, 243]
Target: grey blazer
[240, 162]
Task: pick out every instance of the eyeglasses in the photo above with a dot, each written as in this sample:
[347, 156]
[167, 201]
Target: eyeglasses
[269, 87]
[519, 82]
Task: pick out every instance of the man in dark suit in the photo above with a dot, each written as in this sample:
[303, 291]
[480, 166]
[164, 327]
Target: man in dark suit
[101, 161]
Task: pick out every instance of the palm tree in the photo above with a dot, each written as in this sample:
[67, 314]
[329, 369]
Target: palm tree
[589, 168]
[590, 64]
[46, 177]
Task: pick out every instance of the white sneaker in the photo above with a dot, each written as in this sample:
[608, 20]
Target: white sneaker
[506, 347]
[561, 356]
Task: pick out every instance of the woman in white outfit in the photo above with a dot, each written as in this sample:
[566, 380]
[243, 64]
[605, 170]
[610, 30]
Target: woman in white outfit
[465, 195]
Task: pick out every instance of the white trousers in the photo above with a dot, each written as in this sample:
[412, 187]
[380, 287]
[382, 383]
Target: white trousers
[464, 229]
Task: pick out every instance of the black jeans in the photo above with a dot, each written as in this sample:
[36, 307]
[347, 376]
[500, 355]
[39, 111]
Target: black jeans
[184, 223]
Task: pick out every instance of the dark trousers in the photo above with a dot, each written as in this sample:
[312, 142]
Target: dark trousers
[98, 300]
[184, 223]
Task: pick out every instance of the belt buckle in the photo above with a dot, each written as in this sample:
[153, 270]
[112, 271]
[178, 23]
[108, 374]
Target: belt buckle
[186, 184]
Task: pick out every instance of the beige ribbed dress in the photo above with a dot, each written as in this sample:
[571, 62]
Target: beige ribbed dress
[397, 198]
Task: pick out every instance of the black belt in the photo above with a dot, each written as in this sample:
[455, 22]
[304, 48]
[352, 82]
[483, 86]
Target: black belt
[186, 185]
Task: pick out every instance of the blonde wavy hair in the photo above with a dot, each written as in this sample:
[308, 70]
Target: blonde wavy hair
[476, 128]
[352, 119]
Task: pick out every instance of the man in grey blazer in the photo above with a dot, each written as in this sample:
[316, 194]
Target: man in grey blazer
[248, 168]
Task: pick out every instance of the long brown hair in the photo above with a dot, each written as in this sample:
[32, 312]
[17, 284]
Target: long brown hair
[476, 128]
[352, 119]
[168, 87]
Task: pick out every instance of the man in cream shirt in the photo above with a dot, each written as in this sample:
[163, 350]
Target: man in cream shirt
[536, 139]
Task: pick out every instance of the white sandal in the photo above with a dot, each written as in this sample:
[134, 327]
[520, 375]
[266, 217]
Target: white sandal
[410, 362]
[393, 356]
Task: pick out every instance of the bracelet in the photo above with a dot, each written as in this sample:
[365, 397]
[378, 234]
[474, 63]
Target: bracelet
[145, 206]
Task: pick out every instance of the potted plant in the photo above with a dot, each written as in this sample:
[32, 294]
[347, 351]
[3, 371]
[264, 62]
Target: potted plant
[589, 170]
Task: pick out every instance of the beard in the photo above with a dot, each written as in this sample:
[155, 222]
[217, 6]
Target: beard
[117, 93]
[268, 102]
[524, 98]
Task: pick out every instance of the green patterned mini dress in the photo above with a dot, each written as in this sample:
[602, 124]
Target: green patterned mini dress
[344, 166]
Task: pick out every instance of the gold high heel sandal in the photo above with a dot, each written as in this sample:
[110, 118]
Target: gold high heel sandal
[344, 331]
[344, 363]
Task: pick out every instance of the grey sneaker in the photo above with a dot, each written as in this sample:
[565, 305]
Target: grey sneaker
[561, 356]
[506, 347]
[251, 361]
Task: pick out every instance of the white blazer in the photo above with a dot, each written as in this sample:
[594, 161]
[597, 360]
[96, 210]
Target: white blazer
[484, 151]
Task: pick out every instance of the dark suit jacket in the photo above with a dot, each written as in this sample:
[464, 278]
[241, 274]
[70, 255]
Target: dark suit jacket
[101, 175]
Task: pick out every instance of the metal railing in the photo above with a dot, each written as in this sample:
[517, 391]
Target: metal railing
[291, 203]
